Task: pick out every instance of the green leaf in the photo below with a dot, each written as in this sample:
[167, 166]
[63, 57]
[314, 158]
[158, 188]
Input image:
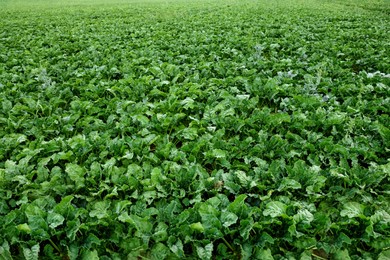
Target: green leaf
[176, 246]
[384, 132]
[143, 225]
[275, 209]
[210, 221]
[352, 210]
[100, 209]
[287, 184]
[197, 227]
[159, 251]
[341, 255]
[228, 218]
[160, 233]
[384, 255]
[31, 253]
[238, 205]
[90, 255]
[304, 242]
[246, 226]
[303, 215]
[218, 153]
[76, 173]
[65, 207]
[264, 239]
[24, 227]
[54, 219]
[306, 255]
[264, 254]
[5, 253]
[190, 133]
[205, 252]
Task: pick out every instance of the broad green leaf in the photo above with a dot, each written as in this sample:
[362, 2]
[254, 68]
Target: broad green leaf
[384, 255]
[190, 133]
[265, 254]
[159, 251]
[65, 207]
[246, 226]
[205, 252]
[100, 209]
[288, 183]
[76, 173]
[71, 229]
[306, 255]
[90, 255]
[176, 246]
[304, 242]
[197, 227]
[384, 132]
[143, 225]
[31, 253]
[54, 219]
[5, 253]
[160, 232]
[341, 255]
[275, 209]
[228, 218]
[303, 215]
[188, 103]
[352, 210]
[265, 238]
[238, 205]
[24, 227]
[218, 153]
[209, 217]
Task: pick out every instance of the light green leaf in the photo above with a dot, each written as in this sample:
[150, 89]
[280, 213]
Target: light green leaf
[90, 255]
[100, 209]
[176, 246]
[142, 119]
[228, 218]
[380, 216]
[31, 254]
[275, 209]
[385, 255]
[24, 227]
[209, 216]
[187, 103]
[159, 251]
[343, 239]
[288, 183]
[238, 205]
[303, 215]
[218, 153]
[205, 252]
[341, 255]
[306, 255]
[5, 253]
[264, 254]
[197, 226]
[76, 173]
[352, 210]
[143, 225]
[54, 219]
[246, 226]
[190, 133]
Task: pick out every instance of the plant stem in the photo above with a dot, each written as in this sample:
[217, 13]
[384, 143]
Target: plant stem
[319, 257]
[229, 245]
[55, 246]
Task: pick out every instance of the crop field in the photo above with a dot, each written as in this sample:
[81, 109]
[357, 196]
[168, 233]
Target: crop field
[199, 129]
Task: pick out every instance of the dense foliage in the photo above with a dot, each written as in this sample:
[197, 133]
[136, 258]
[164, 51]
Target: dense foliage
[195, 129]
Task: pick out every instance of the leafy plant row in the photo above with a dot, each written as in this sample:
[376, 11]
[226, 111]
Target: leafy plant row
[207, 130]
